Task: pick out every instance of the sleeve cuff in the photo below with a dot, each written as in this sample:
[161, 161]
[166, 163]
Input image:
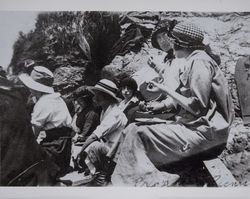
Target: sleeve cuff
[98, 134]
[169, 103]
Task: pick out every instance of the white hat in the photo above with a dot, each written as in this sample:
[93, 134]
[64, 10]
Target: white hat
[40, 79]
[106, 86]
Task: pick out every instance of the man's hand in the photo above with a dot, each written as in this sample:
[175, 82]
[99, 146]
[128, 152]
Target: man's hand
[89, 140]
[151, 62]
[79, 161]
[143, 106]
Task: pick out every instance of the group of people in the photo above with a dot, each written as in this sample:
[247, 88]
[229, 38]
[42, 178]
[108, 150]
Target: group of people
[118, 147]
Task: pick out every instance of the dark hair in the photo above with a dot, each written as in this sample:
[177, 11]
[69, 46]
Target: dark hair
[129, 82]
[86, 98]
[84, 95]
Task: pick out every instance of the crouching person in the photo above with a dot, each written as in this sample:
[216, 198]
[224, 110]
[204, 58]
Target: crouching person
[50, 114]
[112, 121]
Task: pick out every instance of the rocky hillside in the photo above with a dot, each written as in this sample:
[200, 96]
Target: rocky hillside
[73, 45]
[227, 34]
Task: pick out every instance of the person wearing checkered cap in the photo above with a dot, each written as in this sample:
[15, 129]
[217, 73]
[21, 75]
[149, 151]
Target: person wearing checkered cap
[190, 37]
[187, 35]
[199, 130]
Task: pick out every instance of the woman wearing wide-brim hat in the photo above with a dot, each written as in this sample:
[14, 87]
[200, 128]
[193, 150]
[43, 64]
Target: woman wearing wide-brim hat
[200, 129]
[112, 122]
[50, 114]
[167, 69]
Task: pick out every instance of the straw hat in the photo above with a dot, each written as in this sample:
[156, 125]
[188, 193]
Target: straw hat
[106, 86]
[40, 79]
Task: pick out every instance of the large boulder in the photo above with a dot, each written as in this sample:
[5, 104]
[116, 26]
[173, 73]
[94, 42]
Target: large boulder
[68, 40]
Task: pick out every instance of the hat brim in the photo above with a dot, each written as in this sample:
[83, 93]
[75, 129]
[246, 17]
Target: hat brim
[32, 84]
[93, 89]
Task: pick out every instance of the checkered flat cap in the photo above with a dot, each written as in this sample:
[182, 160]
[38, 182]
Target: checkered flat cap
[187, 34]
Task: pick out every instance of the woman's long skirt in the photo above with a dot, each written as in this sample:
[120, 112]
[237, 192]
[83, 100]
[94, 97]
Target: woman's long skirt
[147, 147]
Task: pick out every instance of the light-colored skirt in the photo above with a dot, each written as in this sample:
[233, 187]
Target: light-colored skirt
[147, 147]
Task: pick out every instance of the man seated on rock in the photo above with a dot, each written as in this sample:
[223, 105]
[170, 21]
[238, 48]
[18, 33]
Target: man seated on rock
[112, 122]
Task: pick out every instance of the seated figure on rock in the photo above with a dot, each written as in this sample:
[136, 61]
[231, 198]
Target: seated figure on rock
[94, 153]
[86, 117]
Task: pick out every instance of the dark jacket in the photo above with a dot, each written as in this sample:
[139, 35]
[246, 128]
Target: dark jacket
[21, 162]
[87, 121]
[130, 111]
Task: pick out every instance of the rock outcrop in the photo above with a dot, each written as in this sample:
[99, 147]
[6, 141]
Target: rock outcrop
[68, 42]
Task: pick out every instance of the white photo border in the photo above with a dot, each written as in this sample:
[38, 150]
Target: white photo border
[125, 5]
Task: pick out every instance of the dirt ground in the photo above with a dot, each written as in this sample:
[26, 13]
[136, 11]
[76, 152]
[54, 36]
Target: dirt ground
[236, 157]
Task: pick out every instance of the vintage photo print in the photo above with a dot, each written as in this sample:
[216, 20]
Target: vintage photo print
[125, 98]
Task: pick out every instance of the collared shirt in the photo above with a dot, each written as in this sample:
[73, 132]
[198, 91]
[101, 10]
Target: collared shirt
[50, 112]
[113, 121]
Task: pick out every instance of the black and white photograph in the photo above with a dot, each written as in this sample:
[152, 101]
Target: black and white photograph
[125, 98]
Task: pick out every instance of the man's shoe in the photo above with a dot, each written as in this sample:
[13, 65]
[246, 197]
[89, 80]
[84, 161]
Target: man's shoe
[85, 180]
[76, 179]
[99, 180]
